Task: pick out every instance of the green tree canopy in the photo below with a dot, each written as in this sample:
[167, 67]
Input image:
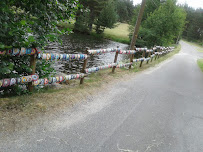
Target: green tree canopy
[94, 7]
[102, 13]
[125, 10]
[150, 7]
[33, 22]
[163, 25]
[107, 17]
[194, 24]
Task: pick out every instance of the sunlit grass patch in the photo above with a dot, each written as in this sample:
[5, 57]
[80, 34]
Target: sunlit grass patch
[200, 63]
[200, 49]
[119, 33]
[121, 30]
[66, 24]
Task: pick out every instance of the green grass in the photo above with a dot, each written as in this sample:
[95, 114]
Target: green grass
[200, 63]
[66, 24]
[199, 47]
[119, 33]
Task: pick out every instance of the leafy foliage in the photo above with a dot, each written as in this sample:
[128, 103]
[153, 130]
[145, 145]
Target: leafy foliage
[125, 10]
[194, 24]
[82, 19]
[150, 7]
[162, 26]
[103, 14]
[107, 17]
[30, 23]
[94, 8]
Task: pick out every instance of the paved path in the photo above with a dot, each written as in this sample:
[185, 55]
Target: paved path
[159, 110]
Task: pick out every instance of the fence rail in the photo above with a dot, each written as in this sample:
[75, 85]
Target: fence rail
[34, 80]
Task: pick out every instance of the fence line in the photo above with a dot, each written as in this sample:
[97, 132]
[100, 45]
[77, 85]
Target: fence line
[63, 57]
[21, 80]
[20, 52]
[34, 80]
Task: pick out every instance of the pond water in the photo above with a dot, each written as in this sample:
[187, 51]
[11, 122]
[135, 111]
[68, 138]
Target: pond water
[76, 43]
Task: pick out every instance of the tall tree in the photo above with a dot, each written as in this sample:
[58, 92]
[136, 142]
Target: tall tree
[122, 11]
[94, 7]
[107, 17]
[163, 26]
[194, 24]
[102, 13]
[151, 6]
[125, 10]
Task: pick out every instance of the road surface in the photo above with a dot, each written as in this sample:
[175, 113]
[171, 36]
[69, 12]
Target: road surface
[158, 110]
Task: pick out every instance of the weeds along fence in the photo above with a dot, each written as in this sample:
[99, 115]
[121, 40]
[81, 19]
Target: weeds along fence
[33, 79]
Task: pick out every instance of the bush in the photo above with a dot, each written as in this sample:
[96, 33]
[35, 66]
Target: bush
[29, 24]
[162, 26]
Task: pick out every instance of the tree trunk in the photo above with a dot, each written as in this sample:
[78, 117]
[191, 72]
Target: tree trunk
[91, 21]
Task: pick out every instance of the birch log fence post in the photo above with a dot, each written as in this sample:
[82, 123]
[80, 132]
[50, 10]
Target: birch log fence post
[115, 60]
[84, 66]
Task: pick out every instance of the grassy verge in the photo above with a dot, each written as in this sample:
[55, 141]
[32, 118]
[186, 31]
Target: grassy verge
[199, 47]
[18, 111]
[200, 63]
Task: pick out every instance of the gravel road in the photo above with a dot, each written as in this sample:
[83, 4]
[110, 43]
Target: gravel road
[158, 110]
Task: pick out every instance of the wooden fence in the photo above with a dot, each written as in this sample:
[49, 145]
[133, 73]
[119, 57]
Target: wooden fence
[34, 80]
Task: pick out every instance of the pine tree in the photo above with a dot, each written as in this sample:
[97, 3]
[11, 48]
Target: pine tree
[107, 17]
[94, 7]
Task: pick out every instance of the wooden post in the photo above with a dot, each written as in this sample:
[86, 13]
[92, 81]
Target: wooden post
[84, 66]
[159, 52]
[152, 54]
[131, 59]
[136, 30]
[33, 67]
[155, 56]
[115, 60]
[149, 55]
[143, 56]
